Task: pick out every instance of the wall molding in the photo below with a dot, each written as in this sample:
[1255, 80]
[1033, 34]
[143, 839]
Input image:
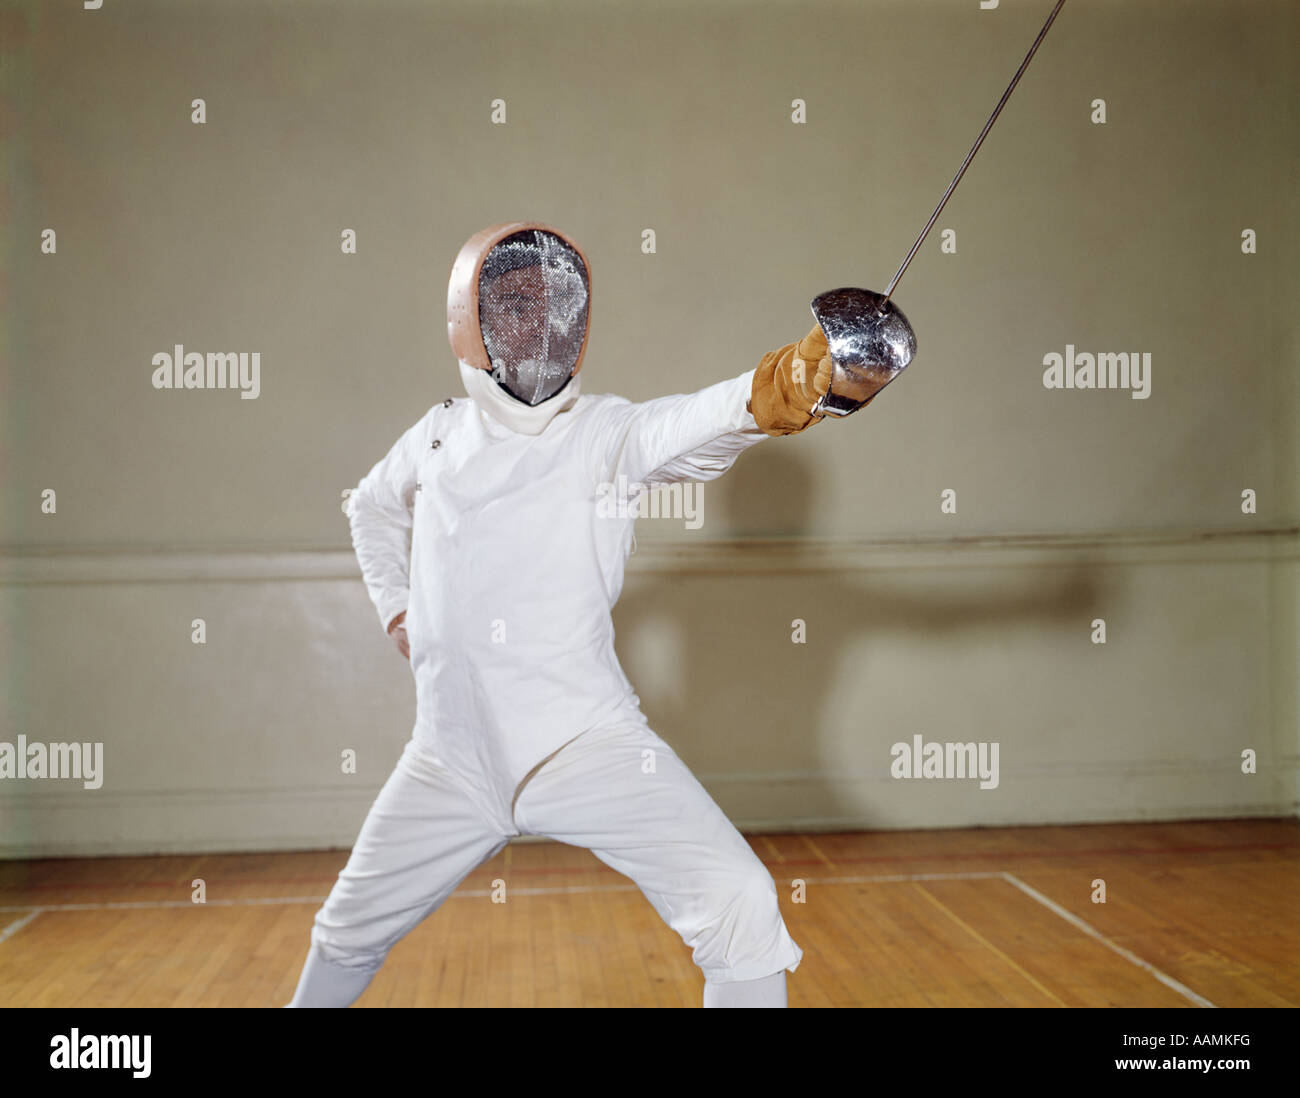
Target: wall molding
[249, 821]
[679, 556]
[68, 794]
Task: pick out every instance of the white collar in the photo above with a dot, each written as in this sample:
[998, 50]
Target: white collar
[515, 414]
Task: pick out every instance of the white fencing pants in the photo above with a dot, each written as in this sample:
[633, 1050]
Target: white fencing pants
[618, 791]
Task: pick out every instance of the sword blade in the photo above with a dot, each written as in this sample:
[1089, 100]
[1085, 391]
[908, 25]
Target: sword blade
[969, 156]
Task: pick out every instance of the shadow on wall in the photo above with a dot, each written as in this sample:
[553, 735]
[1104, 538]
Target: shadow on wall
[719, 677]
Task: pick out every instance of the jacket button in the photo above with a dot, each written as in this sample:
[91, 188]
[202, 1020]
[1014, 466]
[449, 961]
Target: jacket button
[436, 443]
[447, 403]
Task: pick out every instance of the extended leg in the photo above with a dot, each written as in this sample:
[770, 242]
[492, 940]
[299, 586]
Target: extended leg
[423, 836]
[622, 793]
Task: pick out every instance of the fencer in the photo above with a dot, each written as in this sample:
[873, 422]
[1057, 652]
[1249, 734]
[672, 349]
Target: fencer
[483, 551]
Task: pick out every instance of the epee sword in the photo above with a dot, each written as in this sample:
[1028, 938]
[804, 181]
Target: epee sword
[869, 339]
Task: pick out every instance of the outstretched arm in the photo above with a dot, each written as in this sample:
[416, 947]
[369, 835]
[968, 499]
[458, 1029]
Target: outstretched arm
[699, 436]
[673, 437]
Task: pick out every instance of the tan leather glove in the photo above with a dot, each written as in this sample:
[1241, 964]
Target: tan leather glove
[788, 383]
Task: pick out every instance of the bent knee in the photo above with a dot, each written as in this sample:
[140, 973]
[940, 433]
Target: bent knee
[745, 901]
[744, 936]
[755, 886]
[350, 947]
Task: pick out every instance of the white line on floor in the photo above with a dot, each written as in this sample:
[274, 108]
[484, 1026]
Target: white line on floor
[1075, 921]
[171, 903]
[479, 893]
[892, 878]
[16, 926]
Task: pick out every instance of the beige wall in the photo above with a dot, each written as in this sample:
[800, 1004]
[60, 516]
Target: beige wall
[969, 626]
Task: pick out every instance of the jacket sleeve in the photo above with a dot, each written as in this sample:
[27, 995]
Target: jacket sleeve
[381, 515]
[694, 436]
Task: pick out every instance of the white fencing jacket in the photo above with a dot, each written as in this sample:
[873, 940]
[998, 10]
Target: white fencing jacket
[495, 544]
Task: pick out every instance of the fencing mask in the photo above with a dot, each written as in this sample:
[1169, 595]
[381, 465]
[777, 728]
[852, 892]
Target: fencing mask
[518, 306]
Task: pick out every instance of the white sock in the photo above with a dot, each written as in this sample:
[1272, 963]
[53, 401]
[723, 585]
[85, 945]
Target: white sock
[766, 992]
[325, 984]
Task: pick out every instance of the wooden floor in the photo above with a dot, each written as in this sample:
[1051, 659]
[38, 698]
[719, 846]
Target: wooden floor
[1196, 914]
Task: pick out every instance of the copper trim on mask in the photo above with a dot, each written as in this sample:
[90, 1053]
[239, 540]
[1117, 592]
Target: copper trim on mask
[463, 331]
